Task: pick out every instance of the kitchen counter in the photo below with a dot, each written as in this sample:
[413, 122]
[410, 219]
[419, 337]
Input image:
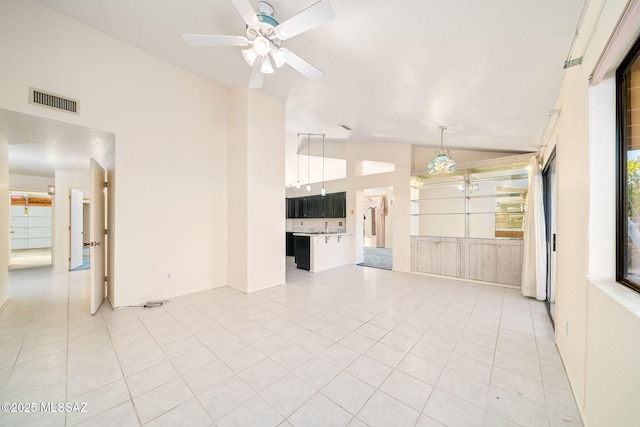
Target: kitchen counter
[326, 250]
[319, 233]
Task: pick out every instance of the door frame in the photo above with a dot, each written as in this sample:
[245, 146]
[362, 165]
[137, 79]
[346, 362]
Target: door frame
[550, 191]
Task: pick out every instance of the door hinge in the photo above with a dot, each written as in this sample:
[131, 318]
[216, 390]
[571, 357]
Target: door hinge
[106, 184]
[105, 278]
[69, 228]
[69, 259]
[105, 231]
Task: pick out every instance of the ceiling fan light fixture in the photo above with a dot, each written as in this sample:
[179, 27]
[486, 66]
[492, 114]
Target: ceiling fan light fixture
[266, 67]
[250, 56]
[264, 37]
[279, 56]
[262, 46]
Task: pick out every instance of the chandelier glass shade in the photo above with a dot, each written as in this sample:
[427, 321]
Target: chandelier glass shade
[443, 163]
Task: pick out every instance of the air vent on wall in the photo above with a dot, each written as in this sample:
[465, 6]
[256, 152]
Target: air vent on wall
[51, 100]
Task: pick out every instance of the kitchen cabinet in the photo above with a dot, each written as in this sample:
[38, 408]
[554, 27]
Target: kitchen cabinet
[290, 248]
[319, 252]
[487, 260]
[302, 249]
[327, 208]
[291, 208]
[339, 208]
[330, 206]
[439, 255]
[318, 206]
[301, 207]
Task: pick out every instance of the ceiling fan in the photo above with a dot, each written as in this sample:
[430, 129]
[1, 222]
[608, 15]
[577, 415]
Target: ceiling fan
[265, 36]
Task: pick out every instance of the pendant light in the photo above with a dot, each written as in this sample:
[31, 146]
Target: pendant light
[443, 163]
[308, 164]
[298, 161]
[323, 192]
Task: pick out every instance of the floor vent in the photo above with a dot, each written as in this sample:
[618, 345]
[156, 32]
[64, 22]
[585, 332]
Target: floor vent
[51, 100]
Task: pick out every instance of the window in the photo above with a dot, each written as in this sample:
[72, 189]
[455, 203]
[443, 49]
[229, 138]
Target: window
[628, 170]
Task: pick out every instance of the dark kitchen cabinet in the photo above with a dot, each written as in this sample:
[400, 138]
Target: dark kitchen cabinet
[339, 207]
[330, 206]
[301, 207]
[318, 207]
[291, 208]
[302, 246]
[290, 244]
[327, 208]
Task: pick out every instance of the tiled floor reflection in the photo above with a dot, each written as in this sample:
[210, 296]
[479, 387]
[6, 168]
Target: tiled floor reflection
[349, 346]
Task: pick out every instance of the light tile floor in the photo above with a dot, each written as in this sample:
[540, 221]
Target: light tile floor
[25, 258]
[349, 346]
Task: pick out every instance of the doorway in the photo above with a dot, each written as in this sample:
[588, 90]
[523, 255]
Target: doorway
[30, 229]
[67, 154]
[377, 230]
[550, 184]
[79, 230]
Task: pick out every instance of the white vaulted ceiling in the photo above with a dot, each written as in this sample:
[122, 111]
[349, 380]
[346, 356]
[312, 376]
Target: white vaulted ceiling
[490, 70]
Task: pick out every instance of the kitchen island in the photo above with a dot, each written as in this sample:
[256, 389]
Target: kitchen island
[318, 251]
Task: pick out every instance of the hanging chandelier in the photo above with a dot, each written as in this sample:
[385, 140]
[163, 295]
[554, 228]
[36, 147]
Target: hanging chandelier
[323, 191]
[298, 160]
[443, 163]
[308, 162]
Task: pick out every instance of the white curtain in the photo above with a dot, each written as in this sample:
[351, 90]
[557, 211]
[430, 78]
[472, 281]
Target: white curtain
[378, 211]
[534, 262]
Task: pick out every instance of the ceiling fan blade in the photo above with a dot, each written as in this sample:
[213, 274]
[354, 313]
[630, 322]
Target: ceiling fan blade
[255, 82]
[313, 16]
[302, 66]
[203, 40]
[245, 10]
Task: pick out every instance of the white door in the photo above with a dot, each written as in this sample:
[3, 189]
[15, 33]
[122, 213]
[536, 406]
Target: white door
[97, 249]
[76, 229]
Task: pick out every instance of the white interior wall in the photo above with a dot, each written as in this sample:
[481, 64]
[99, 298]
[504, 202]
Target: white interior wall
[238, 187]
[266, 192]
[309, 168]
[256, 198]
[29, 183]
[597, 320]
[171, 128]
[4, 222]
